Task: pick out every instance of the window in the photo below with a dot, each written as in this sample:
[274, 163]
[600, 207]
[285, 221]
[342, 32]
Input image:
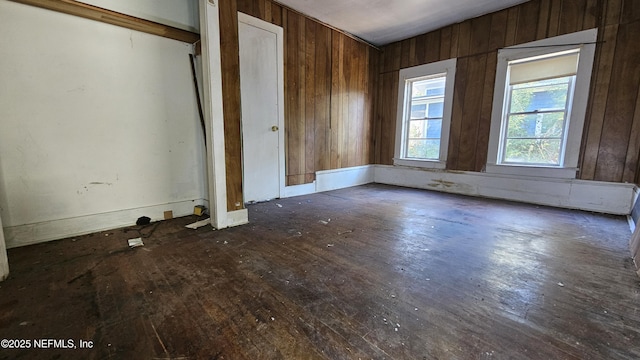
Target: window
[539, 106]
[424, 114]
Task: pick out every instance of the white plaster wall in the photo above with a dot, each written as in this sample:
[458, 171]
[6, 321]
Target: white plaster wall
[182, 14]
[94, 119]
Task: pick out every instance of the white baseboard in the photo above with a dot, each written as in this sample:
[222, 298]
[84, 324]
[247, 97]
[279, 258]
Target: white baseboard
[298, 190]
[342, 178]
[237, 217]
[634, 210]
[28, 234]
[604, 197]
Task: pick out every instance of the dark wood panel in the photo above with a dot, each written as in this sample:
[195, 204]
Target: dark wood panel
[631, 173]
[471, 114]
[498, 32]
[478, 37]
[554, 18]
[592, 15]
[322, 97]
[630, 11]
[295, 93]
[337, 106]
[455, 38]
[598, 100]
[276, 13]
[387, 116]
[405, 52]
[371, 107]
[613, 12]
[446, 37]
[231, 102]
[309, 95]
[431, 50]
[459, 93]
[392, 57]
[512, 26]
[623, 92]
[527, 22]
[413, 56]
[571, 16]
[543, 19]
[484, 125]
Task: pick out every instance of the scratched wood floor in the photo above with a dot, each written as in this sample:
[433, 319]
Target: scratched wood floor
[372, 272]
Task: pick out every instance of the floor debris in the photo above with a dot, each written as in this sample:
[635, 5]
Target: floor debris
[278, 205]
[560, 284]
[135, 242]
[199, 224]
[143, 220]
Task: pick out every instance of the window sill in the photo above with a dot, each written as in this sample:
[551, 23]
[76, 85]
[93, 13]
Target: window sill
[532, 171]
[427, 164]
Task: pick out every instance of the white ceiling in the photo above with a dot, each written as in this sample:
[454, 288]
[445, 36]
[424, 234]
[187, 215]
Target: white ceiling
[384, 21]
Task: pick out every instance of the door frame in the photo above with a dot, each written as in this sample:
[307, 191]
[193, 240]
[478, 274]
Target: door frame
[279, 32]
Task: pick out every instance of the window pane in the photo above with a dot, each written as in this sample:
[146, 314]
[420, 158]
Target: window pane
[545, 125]
[540, 95]
[436, 109]
[417, 128]
[543, 151]
[423, 149]
[428, 87]
[434, 129]
[418, 111]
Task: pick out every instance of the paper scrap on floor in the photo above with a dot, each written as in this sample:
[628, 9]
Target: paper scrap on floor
[198, 224]
[135, 242]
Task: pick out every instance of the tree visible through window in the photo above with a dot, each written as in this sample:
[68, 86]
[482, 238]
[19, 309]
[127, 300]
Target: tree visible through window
[425, 118]
[540, 105]
[537, 104]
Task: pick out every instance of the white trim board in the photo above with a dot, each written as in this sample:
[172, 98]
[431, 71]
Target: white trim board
[332, 180]
[342, 178]
[29, 234]
[213, 112]
[298, 190]
[604, 197]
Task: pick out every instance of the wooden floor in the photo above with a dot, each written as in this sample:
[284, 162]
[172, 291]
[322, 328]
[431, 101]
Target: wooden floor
[372, 272]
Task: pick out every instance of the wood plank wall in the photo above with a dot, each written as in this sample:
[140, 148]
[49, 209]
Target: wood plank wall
[611, 141]
[329, 91]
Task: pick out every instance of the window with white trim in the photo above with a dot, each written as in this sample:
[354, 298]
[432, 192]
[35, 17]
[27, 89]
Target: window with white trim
[539, 106]
[424, 114]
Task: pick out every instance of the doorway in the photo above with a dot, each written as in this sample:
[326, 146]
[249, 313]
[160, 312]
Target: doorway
[262, 105]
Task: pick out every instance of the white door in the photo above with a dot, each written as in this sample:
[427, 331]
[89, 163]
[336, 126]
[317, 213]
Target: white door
[260, 89]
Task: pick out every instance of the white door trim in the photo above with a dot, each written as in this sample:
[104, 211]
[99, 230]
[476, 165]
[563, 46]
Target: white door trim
[214, 118]
[250, 20]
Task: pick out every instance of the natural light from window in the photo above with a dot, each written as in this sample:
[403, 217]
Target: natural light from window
[425, 94]
[537, 105]
[425, 118]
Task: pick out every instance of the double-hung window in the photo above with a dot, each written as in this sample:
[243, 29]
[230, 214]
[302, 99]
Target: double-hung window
[539, 106]
[538, 102]
[424, 114]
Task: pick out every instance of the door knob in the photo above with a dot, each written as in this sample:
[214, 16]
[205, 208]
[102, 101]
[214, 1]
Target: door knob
[274, 128]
